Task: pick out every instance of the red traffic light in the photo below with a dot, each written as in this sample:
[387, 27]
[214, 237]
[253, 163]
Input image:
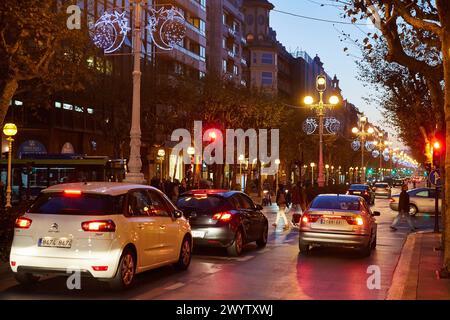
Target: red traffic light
[437, 145]
[212, 135]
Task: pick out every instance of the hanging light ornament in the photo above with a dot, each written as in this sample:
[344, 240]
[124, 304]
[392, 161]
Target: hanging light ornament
[356, 144]
[310, 125]
[370, 146]
[110, 31]
[167, 27]
[386, 157]
[332, 125]
[375, 153]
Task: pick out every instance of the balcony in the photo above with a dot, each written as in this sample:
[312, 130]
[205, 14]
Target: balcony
[189, 53]
[197, 3]
[195, 29]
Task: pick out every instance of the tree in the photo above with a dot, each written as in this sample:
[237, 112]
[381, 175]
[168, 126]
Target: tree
[423, 23]
[38, 51]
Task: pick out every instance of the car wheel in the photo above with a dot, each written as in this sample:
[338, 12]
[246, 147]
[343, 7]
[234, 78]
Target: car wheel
[26, 279]
[413, 210]
[262, 241]
[125, 273]
[367, 250]
[374, 243]
[304, 248]
[184, 259]
[235, 249]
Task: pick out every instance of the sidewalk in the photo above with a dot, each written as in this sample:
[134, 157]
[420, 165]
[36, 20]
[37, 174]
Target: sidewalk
[415, 277]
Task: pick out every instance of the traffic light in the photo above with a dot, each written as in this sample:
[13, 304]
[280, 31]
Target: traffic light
[437, 153]
[370, 171]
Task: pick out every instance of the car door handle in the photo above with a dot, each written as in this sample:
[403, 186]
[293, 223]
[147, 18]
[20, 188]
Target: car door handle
[162, 227]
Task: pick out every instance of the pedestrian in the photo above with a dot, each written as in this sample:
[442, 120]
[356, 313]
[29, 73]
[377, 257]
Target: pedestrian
[403, 210]
[281, 202]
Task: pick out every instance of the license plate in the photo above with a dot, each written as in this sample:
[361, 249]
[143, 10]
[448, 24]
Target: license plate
[55, 243]
[331, 221]
[198, 234]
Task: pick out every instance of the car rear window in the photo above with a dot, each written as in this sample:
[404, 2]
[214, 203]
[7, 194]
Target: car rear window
[85, 204]
[337, 203]
[381, 185]
[358, 187]
[204, 203]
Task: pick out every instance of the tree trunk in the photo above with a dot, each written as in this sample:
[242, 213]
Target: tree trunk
[446, 214]
[7, 94]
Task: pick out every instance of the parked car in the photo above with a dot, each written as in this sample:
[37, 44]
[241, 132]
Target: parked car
[339, 221]
[422, 200]
[382, 189]
[364, 191]
[221, 218]
[108, 231]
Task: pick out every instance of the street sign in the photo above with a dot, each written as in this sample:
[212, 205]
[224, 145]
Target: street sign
[435, 178]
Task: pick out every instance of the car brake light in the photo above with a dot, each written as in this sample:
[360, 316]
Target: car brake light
[23, 223]
[355, 220]
[310, 218]
[223, 216]
[99, 226]
[72, 192]
[201, 195]
[100, 268]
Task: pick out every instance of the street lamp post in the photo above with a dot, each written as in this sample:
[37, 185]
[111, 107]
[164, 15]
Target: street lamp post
[135, 174]
[277, 162]
[321, 85]
[161, 155]
[363, 134]
[381, 144]
[312, 173]
[10, 130]
[327, 170]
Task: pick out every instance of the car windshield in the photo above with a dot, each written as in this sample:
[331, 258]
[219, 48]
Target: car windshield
[85, 204]
[203, 203]
[336, 203]
[358, 187]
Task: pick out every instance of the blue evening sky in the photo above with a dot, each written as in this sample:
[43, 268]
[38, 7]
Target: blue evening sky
[323, 39]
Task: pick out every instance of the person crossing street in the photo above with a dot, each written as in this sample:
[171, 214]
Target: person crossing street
[403, 210]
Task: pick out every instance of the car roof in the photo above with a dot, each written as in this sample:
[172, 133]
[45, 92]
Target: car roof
[105, 188]
[339, 196]
[359, 186]
[218, 192]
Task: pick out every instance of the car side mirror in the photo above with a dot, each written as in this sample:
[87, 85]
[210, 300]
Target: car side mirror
[376, 214]
[178, 214]
[258, 207]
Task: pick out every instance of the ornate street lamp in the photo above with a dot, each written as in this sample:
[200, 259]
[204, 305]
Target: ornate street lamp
[312, 173]
[321, 86]
[362, 135]
[277, 162]
[161, 155]
[9, 130]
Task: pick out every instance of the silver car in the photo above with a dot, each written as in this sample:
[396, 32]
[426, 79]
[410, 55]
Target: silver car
[422, 200]
[338, 221]
[382, 189]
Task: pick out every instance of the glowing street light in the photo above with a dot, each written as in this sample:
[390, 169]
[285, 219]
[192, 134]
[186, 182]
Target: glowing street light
[9, 130]
[321, 86]
[363, 134]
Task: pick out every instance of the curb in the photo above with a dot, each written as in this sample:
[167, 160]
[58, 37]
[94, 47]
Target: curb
[406, 274]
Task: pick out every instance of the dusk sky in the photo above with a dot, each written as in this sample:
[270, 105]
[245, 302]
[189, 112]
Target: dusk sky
[323, 39]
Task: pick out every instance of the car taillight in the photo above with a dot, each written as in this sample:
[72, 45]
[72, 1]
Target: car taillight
[99, 226]
[23, 223]
[72, 193]
[310, 218]
[355, 220]
[222, 216]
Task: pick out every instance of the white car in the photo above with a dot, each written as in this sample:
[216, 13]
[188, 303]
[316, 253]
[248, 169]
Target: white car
[109, 231]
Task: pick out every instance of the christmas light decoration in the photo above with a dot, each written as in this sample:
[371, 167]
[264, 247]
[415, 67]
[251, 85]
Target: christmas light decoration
[167, 27]
[110, 31]
[356, 144]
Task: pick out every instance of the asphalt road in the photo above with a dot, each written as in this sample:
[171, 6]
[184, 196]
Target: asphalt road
[275, 272]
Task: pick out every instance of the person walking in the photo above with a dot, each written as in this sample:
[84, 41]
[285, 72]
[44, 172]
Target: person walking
[403, 210]
[281, 203]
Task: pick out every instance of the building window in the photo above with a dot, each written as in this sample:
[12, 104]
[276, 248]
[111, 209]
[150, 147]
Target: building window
[250, 37]
[255, 58]
[224, 65]
[202, 75]
[267, 78]
[58, 105]
[236, 70]
[90, 110]
[202, 52]
[67, 106]
[267, 58]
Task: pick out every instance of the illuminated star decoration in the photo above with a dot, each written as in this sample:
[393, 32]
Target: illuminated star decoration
[370, 146]
[310, 125]
[356, 144]
[167, 27]
[332, 125]
[110, 30]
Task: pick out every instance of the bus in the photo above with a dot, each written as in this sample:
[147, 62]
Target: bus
[35, 173]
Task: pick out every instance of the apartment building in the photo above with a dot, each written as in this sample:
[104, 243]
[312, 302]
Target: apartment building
[226, 42]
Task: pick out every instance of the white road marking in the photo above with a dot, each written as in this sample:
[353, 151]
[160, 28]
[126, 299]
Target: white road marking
[175, 286]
